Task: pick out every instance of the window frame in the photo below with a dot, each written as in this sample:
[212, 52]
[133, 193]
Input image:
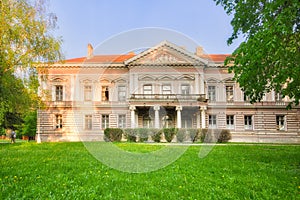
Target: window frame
[87, 92]
[88, 122]
[230, 121]
[104, 121]
[212, 121]
[122, 121]
[210, 92]
[58, 121]
[280, 123]
[59, 92]
[183, 90]
[247, 119]
[122, 93]
[229, 93]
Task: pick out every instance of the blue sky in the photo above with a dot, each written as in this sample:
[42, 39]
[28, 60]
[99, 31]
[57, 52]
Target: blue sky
[94, 21]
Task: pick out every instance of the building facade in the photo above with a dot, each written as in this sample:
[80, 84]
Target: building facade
[164, 86]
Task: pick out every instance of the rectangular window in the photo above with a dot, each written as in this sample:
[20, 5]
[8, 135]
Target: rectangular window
[185, 89]
[280, 122]
[88, 122]
[212, 93]
[248, 122]
[58, 121]
[122, 93]
[105, 93]
[147, 89]
[229, 93]
[105, 121]
[230, 121]
[166, 89]
[122, 121]
[212, 121]
[58, 92]
[87, 93]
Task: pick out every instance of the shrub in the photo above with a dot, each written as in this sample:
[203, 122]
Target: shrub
[215, 135]
[155, 134]
[130, 134]
[181, 134]
[143, 133]
[224, 136]
[113, 134]
[193, 134]
[169, 133]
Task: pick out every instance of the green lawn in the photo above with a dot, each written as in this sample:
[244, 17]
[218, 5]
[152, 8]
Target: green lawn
[69, 171]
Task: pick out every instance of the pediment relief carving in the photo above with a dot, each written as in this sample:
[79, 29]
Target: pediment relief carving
[58, 80]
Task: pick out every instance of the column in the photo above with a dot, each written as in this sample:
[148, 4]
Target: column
[156, 116]
[202, 84]
[132, 116]
[178, 109]
[196, 84]
[203, 109]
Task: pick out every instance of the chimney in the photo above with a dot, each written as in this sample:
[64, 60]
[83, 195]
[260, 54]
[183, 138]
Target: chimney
[90, 51]
[199, 51]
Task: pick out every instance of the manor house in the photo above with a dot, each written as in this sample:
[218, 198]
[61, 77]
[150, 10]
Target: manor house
[163, 86]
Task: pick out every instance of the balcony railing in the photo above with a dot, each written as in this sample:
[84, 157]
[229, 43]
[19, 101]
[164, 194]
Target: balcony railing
[166, 97]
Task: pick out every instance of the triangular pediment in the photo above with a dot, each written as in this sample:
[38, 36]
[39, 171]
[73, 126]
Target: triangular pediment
[166, 53]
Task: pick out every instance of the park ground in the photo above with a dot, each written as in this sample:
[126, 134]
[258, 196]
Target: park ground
[69, 171]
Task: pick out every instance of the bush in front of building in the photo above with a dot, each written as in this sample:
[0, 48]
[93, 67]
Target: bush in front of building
[113, 134]
[155, 134]
[188, 134]
[215, 135]
[169, 133]
[130, 134]
[143, 134]
[181, 134]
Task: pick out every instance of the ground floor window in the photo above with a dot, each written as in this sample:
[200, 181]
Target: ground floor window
[88, 122]
[105, 121]
[122, 121]
[280, 122]
[58, 121]
[212, 121]
[248, 122]
[230, 121]
[147, 121]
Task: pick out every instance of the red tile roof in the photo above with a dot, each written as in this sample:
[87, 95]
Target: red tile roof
[101, 59]
[122, 58]
[216, 57]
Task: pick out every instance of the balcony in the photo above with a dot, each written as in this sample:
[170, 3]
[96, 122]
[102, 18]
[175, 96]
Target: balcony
[168, 97]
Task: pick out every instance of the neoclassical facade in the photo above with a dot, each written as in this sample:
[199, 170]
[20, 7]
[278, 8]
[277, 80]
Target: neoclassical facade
[164, 86]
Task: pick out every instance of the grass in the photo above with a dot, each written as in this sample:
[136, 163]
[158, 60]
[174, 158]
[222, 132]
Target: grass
[69, 171]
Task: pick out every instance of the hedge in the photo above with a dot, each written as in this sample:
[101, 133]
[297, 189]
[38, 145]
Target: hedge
[113, 134]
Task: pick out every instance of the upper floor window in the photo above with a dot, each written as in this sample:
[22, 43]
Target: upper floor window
[212, 93]
[212, 121]
[166, 89]
[58, 93]
[230, 121]
[122, 121]
[147, 89]
[58, 121]
[185, 89]
[87, 93]
[88, 122]
[280, 122]
[248, 122]
[105, 93]
[229, 93]
[121, 93]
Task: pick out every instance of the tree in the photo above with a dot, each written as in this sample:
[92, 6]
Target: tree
[269, 57]
[26, 41]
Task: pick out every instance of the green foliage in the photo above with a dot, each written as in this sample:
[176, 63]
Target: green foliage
[26, 41]
[113, 134]
[155, 134]
[169, 133]
[30, 122]
[227, 172]
[181, 134]
[143, 134]
[215, 135]
[269, 58]
[130, 134]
